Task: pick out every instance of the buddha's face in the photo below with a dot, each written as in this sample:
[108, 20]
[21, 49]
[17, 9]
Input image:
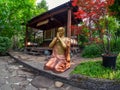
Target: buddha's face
[61, 31]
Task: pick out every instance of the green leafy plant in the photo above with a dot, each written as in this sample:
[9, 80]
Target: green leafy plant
[91, 51]
[115, 45]
[110, 26]
[82, 40]
[5, 44]
[94, 69]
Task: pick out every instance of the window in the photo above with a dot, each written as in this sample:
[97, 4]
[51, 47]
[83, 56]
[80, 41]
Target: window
[49, 34]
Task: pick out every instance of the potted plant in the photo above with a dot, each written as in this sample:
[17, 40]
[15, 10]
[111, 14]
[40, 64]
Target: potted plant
[101, 25]
[109, 26]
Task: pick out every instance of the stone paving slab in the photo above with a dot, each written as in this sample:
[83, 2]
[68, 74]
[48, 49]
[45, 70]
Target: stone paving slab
[39, 61]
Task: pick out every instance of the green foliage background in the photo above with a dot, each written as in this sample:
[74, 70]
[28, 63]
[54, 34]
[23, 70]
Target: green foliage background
[116, 8]
[5, 44]
[92, 51]
[15, 13]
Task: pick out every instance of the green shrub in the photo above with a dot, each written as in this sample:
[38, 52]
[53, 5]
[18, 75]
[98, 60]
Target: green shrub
[5, 44]
[82, 39]
[91, 51]
[118, 57]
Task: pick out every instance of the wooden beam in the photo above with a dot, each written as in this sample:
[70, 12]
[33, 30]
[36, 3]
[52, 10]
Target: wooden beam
[69, 24]
[47, 16]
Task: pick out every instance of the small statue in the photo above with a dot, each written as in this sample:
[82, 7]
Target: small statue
[60, 58]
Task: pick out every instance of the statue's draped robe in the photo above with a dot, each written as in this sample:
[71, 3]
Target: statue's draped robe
[58, 63]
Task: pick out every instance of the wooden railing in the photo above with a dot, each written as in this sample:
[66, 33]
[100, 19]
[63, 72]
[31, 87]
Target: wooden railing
[37, 50]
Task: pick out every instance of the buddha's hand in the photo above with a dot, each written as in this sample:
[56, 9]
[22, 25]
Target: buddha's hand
[58, 36]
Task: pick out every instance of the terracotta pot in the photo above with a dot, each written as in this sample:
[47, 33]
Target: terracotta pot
[109, 61]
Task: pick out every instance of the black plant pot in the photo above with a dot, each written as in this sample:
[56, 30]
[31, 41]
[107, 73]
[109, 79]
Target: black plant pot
[109, 61]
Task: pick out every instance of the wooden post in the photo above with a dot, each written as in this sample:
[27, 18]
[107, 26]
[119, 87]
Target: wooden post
[26, 36]
[69, 24]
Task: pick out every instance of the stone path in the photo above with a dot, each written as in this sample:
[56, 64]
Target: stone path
[39, 61]
[14, 76]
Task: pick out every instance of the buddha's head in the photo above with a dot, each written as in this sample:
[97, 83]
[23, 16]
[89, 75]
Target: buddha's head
[61, 31]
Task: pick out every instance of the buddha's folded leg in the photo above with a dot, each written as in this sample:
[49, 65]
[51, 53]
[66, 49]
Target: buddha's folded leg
[68, 65]
[60, 66]
[50, 64]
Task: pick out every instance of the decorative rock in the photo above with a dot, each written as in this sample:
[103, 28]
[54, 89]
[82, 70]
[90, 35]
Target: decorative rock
[21, 72]
[17, 87]
[14, 67]
[42, 88]
[30, 87]
[6, 87]
[14, 73]
[73, 88]
[2, 82]
[16, 79]
[58, 84]
[29, 79]
[20, 66]
[42, 82]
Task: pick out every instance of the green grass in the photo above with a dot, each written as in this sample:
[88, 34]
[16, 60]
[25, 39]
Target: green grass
[95, 69]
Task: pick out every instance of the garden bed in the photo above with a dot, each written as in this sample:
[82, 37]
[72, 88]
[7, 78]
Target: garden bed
[93, 76]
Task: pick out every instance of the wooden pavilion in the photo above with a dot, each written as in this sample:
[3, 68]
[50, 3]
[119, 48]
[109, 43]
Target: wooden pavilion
[49, 21]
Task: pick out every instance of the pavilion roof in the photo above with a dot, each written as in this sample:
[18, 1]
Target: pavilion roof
[53, 18]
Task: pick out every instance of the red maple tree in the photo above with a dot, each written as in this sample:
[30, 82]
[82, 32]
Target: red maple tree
[91, 8]
[92, 12]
